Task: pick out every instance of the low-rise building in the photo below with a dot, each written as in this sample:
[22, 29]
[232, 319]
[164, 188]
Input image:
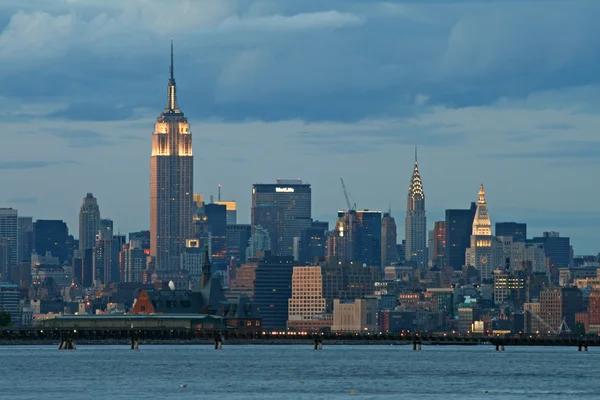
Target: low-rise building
[359, 315]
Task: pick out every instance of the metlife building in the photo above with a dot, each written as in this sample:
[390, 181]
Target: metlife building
[284, 210]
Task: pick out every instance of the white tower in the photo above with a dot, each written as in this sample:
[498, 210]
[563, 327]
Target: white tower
[480, 254]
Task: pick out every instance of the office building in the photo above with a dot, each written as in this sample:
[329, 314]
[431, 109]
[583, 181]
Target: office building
[389, 238]
[142, 238]
[518, 231]
[192, 259]
[238, 236]
[416, 221]
[25, 238]
[314, 242]
[231, 207]
[102, 258]
[89, 222]
[557, 249]
[6, 260]
[51, 236]
[9, 223]
[437, 250]
[307, 306]
[259, 241]
[481, 254]
[459, 226]
[368, 245]
[284, 210]
[342, 243]
[9, 301]
[358, 315]
[171, 183]
[558, 304]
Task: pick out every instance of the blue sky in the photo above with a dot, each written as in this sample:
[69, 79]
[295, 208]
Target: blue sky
[499, 92]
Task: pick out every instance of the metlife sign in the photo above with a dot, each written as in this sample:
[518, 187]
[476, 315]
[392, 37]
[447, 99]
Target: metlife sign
[284, 190]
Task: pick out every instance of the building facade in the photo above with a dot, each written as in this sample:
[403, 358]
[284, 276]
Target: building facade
[171, 183]
[9, 222]
[358, 315]
[89, 222]
[518, 231]
[459, 226]
[51, 236]
[389, 240]
[25, 238]
[307, 306]
[284, 210]
[416, 222]
[481, 254]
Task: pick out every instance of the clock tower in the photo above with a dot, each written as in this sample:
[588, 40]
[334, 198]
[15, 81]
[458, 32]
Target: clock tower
[480, 254]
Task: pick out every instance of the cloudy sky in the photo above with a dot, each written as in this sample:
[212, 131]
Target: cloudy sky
[500, 92]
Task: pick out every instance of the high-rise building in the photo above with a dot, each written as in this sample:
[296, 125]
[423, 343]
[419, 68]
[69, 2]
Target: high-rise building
[518, 231]
[216, 220]
[368, 248]
[9, 223]
[237, 242]
[389, 238]
[416, 221]
[459, 225]
[25, 238]
[438, 248]
[106, 223]
[306, 307]
[557, 249]
[89, 222]
[103, 257]
[231, 207]
[480, 254]
[6, 264]
[343, 240]
[134, 262]
[313, 242]
[171, 183]
[558, 304]
[284, 210]
[259, 241]
[51, 236]
[142, 238]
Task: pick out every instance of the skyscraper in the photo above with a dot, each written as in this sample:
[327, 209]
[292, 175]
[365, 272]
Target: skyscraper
[518, 231]
[416, 222]
[171, 186]
[9, 231]
[389, 238]
[438, 248]
[25, 239]
[89, 222]
[51, 236]
[481, 255]
[369, 237]
[459, 224]
[284, 210]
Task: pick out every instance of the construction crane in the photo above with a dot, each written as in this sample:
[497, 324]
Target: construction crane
[347, 196]
[564, 328]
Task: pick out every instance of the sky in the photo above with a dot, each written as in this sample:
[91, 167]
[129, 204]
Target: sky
[503, 93]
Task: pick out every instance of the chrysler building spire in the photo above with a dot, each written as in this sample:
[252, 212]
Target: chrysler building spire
[415, 222]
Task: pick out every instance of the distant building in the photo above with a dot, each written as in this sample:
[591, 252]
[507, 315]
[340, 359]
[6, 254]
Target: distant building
[134, 262]
[389, 239]
[480, 254]
[142, 238]
[51, 236]
[518, 231]
[459, 226]
[171, 184]
[25, 239]
[284, 210]
[307, 306]
[368, 245]
[102, 258]
[6, 259]
[259, 241]
[359, 315]
[192, 259]
[558, 304]
[557, 249]
[9, 301]
[10, 232]
[231, 211]
[238, 236]
[437, 250]
[416, 221]
[268, 282]
[89, 222]
[210, 228]
[313, 242]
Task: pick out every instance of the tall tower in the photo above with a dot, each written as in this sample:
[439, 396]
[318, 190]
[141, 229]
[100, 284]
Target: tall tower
[388, 240]
[171, 187]
[89, 222]
[415, 224]
[479, 255]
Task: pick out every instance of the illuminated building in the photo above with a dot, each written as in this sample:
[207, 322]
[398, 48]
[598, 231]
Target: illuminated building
[416, 222]
[89, 222]
[134, 262]
[102, 258]
[357, 237]
[231, 207]
[558, 304]
[284, 210]
[306, 307]
[171, 184]
[480, 254]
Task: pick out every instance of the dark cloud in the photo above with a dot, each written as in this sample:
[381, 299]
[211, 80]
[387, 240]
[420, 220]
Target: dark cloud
[81, 138]
[23, 165]
[93, 112]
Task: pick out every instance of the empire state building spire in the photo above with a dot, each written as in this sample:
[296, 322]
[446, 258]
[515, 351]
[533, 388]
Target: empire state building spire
[172, 106]
[415, 221]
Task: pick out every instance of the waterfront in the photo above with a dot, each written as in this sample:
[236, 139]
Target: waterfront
[298, 372]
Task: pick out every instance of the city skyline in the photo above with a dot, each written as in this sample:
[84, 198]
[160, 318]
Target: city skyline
[515, 132]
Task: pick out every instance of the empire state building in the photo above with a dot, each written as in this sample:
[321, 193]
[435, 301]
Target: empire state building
[171, 183]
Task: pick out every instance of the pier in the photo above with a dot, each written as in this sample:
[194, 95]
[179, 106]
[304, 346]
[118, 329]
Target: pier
[136, 338]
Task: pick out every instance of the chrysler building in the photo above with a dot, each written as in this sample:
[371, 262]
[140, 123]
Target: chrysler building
[415, 223]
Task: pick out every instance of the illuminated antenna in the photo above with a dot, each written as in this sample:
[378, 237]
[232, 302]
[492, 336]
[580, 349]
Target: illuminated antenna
[171, 69]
